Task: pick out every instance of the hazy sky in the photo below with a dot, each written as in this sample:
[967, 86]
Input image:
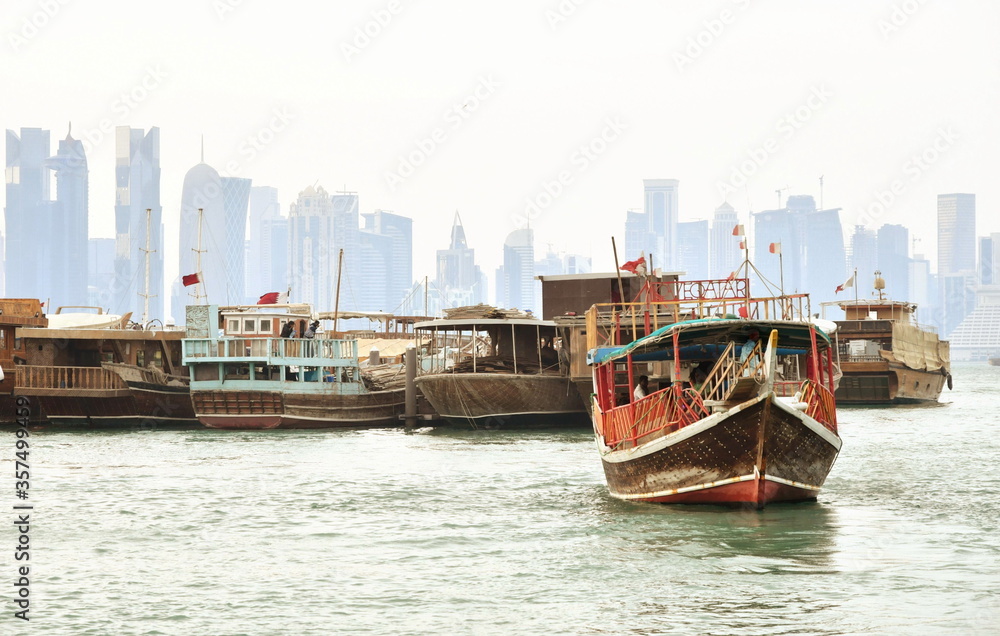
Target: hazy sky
[497, 100]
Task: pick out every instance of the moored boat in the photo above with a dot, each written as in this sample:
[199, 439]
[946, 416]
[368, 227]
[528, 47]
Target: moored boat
[250, 377]
[723, 421]
[886, 356]
[15, 313]
[105, 376]
[497, 370]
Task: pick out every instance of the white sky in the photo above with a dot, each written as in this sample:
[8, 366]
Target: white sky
[887, 94]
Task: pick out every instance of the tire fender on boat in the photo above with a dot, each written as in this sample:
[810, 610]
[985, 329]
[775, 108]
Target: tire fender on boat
[949, 382]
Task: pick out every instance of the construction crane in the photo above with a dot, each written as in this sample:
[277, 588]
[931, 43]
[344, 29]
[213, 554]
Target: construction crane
[778, 192]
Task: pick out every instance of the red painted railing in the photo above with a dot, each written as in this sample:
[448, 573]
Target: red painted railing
[821, 404]
[665, 411]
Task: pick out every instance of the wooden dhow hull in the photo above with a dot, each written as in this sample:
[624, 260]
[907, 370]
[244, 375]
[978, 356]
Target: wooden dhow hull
[138, 406]
[760, 452]
[875, 383]
[495, 400]
[264, 410]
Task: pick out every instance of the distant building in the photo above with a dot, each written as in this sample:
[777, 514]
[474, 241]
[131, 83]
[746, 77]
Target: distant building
[519, 270]
[894, 260]
[977, 337]
[27, 210]
[919, 288]
[724, 250]
[864, 258]
[956, 233]
[661, 209]
[459, 279]
[312, 254]
[387, 254]
[639, 238]
[346, 225]
[989, 259]
[692, 250]
[812, 247]
[235, 202]
[137, 179]
[100, 269]
[260, 267]
[67, 236]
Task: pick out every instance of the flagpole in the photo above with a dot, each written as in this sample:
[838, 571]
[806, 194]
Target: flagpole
[855, 286]
[336, 302]
[621, 288]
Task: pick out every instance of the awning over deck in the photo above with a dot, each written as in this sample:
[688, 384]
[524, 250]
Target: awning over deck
[707, 337]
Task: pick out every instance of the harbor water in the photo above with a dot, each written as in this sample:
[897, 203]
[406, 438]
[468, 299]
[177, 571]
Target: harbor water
[492, 532]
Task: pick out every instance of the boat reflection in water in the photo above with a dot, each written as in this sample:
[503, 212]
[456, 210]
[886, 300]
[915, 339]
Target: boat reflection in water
[739, 410]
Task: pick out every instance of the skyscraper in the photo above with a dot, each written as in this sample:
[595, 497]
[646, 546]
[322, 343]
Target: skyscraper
[386, 252]
[137, 188]
[864, 258]
[692, 249]
[894, 260]
[519, 270]
[661, 207]
[956, 233]
[346, 222]
[812, 247]
[989, 259]
[235, 199]
[264, 211]
[312, 255]
[68, 233]
[28, 209]
[724, 250]
[458, 276]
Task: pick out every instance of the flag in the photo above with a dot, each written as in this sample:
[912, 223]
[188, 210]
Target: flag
[731, 276]
[775, 248]
[738, 230]
[848, 283]
[632, 266]
[743, 245]
[273, 298]
[191, 279]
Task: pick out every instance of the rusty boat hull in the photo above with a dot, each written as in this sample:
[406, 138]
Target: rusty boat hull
[494, 400]
[886, 383]
[761, 452]
[265, 410]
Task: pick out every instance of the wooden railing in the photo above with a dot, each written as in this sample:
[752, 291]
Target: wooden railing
[93, 378]
[270, 348]
[722, 378]
[615, 324]
[665, 411]
[821, 405]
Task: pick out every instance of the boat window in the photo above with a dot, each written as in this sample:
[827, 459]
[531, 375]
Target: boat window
[265, 325]
[234, 326]
[158, 358]
[17, 344]
[3, 338]
[140, 358]
[248, 326]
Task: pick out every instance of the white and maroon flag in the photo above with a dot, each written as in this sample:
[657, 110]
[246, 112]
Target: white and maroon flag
[848, 283]
[191, 279]
[775, 248]
[273, 298]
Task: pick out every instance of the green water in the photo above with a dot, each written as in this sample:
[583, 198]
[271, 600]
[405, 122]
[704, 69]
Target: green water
[380, 532]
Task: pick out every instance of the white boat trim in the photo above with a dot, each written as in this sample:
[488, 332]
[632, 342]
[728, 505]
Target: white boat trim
[714, 484]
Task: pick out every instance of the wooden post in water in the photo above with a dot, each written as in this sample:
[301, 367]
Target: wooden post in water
[410, 362]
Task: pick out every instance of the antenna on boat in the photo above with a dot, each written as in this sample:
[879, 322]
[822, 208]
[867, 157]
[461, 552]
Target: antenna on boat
[198, 295]
[146, 295]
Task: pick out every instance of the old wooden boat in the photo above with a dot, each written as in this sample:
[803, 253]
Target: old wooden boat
[496, 371]
[244, 375]
[886, 356]
[723, 422]
[105, 376]
[16, 313]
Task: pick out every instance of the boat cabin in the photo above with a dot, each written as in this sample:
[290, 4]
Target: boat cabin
[488, 345]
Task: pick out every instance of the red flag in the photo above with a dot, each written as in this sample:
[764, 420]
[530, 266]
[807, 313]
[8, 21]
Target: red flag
[742, 311]
[191, 279]
[738, 230]
[631, 266]
[731, 276]
[743, 245]
[273, 298]
[775, 248]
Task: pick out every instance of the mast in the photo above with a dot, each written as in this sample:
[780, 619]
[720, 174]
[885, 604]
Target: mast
[427, 311]
[198, 295]
[146, 295]
[336, 301]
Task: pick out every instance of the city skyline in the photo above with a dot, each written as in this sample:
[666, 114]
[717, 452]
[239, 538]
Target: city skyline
[557, 123]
